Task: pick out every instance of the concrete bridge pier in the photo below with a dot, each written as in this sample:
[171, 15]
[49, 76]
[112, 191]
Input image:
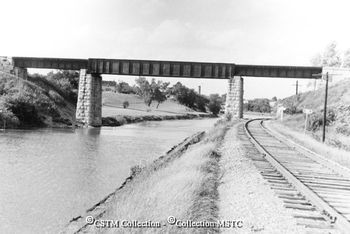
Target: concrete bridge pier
[234, 98]
[89, 106]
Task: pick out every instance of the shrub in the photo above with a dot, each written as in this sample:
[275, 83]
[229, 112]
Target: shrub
[126, 104]
[315, 120]
[343, 128]
[8, 119]
[259, 105]
[292, 110]
[228, 117]
[25, 111]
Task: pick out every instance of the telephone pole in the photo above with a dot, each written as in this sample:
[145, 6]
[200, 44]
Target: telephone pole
[296, 87]
[325, 110]
[325, 104]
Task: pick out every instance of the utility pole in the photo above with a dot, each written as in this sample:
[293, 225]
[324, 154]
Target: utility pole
[325, 106]
[325, 110]
[296, 87]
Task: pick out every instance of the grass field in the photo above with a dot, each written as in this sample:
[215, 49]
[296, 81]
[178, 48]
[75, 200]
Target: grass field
[112, 105]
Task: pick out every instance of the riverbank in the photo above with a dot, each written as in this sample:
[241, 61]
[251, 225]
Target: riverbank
[206, 178]
[183, 184]
[114, 114]
[34, 103]
[71, 170]
[127, 119]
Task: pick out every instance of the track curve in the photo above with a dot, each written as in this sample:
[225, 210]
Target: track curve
[317, 190]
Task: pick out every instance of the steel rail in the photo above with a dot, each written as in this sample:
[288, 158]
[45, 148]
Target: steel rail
[336, 218]
[309, 153]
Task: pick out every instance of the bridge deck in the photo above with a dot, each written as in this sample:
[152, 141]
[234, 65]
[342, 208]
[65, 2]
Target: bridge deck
[50, 63]
[167, 68]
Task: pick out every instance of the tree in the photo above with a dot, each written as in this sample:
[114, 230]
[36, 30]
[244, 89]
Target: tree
[159, 91]
[330, 57]
[346, 59]
[215, 102]
[66, 79]
[123, 87]
[189, 97]
[154, 91]
[159, 96]
[144, 90]
[184, 95]
[201, 102]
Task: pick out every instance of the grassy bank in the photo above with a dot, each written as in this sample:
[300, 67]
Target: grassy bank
[113, 105]
[182, 184]
[338, 114]
[35, 102]
[41, 102]
[337, 135]
[333, 153]
[114, 114]
[121, 120]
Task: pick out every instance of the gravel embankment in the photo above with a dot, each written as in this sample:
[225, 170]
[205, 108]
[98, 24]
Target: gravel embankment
[245, 195]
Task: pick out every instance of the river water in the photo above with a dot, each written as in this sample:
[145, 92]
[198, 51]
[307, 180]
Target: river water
[48, 176]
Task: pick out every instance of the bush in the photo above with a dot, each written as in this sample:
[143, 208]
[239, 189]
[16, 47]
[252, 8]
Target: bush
[228, 117]
[315, 120]
[343, 128]
[8, 119]
[259, 105]
[26, 112]
[125, 104]
[293, 110]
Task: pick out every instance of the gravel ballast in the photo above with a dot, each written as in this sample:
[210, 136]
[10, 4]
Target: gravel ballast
[246, 196]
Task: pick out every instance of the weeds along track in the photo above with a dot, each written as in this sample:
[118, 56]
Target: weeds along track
[316, 190]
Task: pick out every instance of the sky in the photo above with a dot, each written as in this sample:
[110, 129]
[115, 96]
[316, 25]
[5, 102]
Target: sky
[261, 32]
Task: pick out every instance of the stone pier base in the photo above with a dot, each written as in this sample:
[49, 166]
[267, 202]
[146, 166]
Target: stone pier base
[7, 66]
[234, 98]
[89, 106]
[21, 72]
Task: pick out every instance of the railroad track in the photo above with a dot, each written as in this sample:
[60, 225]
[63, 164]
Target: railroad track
[315, 189]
